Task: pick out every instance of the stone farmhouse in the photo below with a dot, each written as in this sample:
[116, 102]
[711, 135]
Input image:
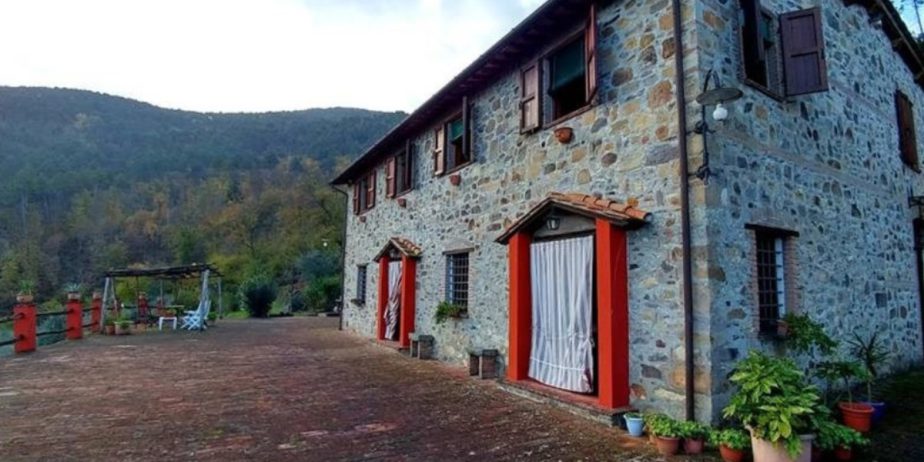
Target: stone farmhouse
[623, 197]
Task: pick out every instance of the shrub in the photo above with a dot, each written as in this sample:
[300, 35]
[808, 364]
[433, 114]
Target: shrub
[664, 426]
[258, 294]
[832, 435]
[732, 438]
[693, 430]
[805, 334]
[446, 310]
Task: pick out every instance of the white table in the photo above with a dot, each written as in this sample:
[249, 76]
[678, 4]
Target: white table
[160, 322]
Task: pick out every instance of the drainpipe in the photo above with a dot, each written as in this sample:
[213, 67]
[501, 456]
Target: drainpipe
[680, 85]
[343, 242]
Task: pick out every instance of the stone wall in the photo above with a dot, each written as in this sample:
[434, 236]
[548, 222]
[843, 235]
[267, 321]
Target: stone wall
[624, 147]
[826, 165]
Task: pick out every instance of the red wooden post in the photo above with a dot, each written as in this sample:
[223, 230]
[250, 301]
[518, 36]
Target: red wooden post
[408, 279]
[74, 320]
[143, 308]
[24, 327]
[612, 315]
[519, 332]
[383, 297]
[96, 310]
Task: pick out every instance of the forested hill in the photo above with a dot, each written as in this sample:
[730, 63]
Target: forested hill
[52, 138]
[90, 182]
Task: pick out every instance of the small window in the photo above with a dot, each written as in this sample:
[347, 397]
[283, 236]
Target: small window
[771, 279]
[361, 284]
[399, 173]
[457, 279]
[567, 84]
[907, 137]
[452, 146]
[364, 194]
[455, 149]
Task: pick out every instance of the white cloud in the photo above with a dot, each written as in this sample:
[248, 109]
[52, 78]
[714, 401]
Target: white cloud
[251, 55]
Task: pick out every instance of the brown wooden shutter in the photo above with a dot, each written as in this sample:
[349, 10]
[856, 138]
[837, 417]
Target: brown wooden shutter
[590, 53]
[390, 177]
[907, 137]
[753, 53]
[803, 47]
[356, 193]
[466, 131]
[370, 190]
[408, 166]
[439, 149]
[530, 100]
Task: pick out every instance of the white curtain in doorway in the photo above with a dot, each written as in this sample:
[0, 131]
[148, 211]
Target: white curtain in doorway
[394, 300]
[562, 334]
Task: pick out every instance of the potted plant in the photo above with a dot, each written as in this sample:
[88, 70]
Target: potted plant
[635, 423]
[694, 436]
[123, 326]
[733, 443]
[110, 326]
[855, 415]
[667, 435]
[26, 289]
[802, 334]
[775, 403]
[446, 310]
[73, 291]
[839, 439]
[872, 353]
[650, 418]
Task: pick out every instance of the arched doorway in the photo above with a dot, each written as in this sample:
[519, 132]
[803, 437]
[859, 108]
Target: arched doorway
[396, 290]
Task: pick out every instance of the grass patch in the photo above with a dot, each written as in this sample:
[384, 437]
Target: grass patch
[898, 436]
[240, 314]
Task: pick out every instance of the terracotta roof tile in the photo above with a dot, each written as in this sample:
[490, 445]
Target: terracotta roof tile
[403, 246]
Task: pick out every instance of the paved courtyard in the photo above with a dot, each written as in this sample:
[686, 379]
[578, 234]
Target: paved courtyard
[273, 390]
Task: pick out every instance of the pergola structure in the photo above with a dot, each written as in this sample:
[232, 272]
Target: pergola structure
[172, 273]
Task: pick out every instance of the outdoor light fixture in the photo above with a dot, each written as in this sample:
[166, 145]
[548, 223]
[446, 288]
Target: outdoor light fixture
[875, 20]
[717, 97]
[917, 202]
[553, 222]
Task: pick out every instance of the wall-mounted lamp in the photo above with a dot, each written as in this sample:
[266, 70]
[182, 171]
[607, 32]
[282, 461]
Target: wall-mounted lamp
[917, 202]
[875, 19]
[717, 97]
[553, 222]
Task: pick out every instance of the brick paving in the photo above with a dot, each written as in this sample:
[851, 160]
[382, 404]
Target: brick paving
[273, 390]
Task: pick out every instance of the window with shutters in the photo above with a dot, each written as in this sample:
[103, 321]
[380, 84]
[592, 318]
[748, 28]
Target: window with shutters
[364, 194]
[907, 137]
[530, 99]
[785, 56]
[399, 173]
[457, 278]
[452, 145]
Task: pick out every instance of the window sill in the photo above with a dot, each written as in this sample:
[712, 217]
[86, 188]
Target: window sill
[457, 168]
[765, 90]
[357, 302]
[569, 116]
[402, 193]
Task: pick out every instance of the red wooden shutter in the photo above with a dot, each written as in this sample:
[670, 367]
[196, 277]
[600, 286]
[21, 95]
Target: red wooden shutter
[907, 138]
[753, 53]
[390, 180]
[466, 131]
[803, 47]
[439, 145]
[408, 166]
[590, 53]
[356, 193]
[530, 102]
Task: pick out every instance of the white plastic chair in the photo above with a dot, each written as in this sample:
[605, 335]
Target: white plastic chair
[196, 320]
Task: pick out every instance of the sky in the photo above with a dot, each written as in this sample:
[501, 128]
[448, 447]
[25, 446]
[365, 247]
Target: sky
[251, 55]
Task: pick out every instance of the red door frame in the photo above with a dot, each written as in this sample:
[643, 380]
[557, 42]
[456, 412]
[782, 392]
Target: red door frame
[408, 299]
[612, 312]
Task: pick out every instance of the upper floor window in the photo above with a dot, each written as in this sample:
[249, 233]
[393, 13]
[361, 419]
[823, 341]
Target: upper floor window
[364, 193]
[785, 57]
[399, 172]
[907, 138]
[453, 142]
[457, 279]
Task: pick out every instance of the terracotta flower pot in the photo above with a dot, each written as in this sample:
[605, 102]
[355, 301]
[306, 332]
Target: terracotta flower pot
[110, 329]
[564, 135]
[23, 298]
[119, 330]
[858, 416]
[844, 454]
[691, 446]
[455, 179]
[731, 455]
[73, 296]
[667, 446]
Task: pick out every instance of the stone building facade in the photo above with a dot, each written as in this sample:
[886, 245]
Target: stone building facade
[823, 167]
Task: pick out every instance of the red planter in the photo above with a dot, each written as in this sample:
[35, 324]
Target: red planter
[692, 446]
[858, 416]
[844, 454]
[731, 455]
[455, 179]
[668, 446]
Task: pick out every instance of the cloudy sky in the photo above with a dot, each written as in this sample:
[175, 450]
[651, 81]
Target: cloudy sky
[251, 55]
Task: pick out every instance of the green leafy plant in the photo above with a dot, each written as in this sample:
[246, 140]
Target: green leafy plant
[26, 287]
[804, 334]
[733, 438]
[872, 353]
[831, 435]
[635, 415]
[72, 288]
[773, 400]
[693, 430]
[845, 371]
[664, 426]
[258, 294]
[446, 310]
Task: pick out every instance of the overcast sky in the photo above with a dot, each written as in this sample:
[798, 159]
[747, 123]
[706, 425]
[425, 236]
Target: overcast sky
[251, 55]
